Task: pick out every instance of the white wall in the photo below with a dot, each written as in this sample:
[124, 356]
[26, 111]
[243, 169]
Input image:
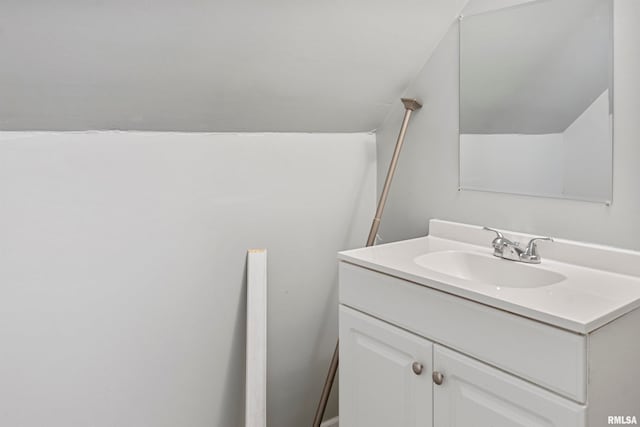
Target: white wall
[512, 163]
[588, 154]
[475, 7]
[122, 284]
[426, 182]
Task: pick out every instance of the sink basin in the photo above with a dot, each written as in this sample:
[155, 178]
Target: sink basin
[488, 269]
[579, 287]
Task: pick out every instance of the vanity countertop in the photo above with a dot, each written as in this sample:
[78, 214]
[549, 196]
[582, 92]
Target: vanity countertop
[601, 283]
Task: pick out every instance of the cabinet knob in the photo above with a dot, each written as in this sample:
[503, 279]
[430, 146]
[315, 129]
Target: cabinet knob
[438, 378]
[417, 368]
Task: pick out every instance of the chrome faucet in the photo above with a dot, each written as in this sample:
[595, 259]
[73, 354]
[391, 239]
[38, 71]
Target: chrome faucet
[505, 248]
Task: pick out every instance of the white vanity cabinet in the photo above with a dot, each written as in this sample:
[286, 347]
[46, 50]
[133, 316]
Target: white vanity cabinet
[385, 375]
[386, 379]
[474, 394]
[492, 368]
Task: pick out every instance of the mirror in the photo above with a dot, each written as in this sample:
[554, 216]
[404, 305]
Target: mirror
[536, 99]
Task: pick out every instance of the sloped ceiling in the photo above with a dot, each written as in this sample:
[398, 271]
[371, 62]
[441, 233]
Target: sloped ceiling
[212, 65]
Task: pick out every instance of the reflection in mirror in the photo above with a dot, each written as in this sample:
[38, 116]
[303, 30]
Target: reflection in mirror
[535, 99]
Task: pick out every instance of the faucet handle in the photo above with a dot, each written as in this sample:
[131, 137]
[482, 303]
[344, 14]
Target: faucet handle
[499, 243]
[500, 235]
[531, 252]
[532, 242]
[500, 239]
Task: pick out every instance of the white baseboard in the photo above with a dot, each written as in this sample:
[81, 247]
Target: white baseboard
[333, 422]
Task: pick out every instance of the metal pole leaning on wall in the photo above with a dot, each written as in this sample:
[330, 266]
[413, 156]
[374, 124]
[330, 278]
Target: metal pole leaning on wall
[410, 106]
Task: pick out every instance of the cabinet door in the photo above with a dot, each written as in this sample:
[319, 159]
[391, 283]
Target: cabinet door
[385, 374]
[475, 394]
